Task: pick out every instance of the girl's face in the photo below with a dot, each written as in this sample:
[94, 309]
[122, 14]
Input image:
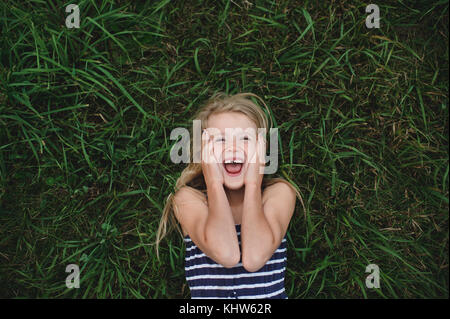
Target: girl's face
[234, 142]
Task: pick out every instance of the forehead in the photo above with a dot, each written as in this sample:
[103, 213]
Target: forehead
[225, 120]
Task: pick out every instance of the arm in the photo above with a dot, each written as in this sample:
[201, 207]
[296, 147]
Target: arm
[220, 231]
[209, 223]
[265, 216]
[264, 222]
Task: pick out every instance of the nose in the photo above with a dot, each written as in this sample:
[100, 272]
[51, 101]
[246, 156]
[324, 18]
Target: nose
[229, 150]
[230, 143]
[232, 148]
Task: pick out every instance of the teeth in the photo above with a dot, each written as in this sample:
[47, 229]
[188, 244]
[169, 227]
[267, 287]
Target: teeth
[234, 162]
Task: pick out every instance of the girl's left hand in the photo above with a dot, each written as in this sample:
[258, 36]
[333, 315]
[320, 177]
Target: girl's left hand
[255, 164]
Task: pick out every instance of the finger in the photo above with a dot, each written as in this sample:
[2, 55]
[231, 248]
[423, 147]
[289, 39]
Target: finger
[251, 153]
[212, 158]
[213, 152]
[254, 154]
[209, 151]
[252, 150]
[261, 149]
[205, 139]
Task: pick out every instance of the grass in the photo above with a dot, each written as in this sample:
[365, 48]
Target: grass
[86, 115]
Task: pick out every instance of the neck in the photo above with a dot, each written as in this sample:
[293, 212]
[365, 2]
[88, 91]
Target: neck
[235, 199]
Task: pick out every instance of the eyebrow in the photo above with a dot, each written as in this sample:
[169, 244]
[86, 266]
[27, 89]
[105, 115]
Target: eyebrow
[240, 132]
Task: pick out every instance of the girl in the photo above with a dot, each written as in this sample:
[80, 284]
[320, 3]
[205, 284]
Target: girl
[233, 219]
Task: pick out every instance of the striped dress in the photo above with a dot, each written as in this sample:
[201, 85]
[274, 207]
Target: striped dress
[209, 280]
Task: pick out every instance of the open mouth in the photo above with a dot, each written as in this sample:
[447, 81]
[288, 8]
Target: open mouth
[233, 167]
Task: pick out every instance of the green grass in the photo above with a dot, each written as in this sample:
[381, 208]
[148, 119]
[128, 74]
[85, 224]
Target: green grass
[86, 115]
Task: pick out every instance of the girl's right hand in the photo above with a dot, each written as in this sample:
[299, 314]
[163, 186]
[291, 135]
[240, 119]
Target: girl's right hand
[210, 164]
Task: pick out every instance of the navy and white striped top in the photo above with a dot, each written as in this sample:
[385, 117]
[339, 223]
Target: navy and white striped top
[210, 280]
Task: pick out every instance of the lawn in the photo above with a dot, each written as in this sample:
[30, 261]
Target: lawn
[86, 115]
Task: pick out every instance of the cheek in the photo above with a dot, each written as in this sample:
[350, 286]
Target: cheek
[247, 147]
[218, 150]
[250, 148]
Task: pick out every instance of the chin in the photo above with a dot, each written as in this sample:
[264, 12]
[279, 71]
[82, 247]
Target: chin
[233, 185]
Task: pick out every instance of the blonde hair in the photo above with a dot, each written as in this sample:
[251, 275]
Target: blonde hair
[192, 175]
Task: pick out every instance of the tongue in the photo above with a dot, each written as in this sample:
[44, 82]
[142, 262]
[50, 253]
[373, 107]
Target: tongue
[233, 168]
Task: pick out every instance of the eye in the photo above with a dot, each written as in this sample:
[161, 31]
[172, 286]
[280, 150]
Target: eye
[220, 139]
[245, 138]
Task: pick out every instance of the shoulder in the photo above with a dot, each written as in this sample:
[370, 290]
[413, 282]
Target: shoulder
[188, 204]
[187, 194]
[279, 190]
[278, 202]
